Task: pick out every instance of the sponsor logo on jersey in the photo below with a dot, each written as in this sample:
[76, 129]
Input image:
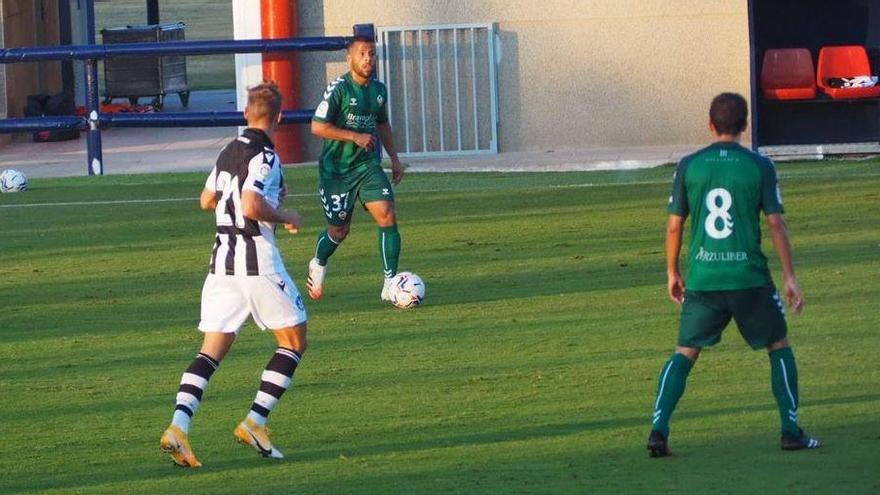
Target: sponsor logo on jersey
[712, 256]
[385, 191]
[353, 102]
[360, 121]
[342, 215]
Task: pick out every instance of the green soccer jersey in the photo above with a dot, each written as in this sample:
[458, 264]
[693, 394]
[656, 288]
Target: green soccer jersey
[348, 105]
[724, 187]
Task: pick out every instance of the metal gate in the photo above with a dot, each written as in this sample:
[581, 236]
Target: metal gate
[442, 88]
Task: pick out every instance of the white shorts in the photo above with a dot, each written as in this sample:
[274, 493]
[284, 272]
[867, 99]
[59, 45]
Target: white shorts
[273, 301]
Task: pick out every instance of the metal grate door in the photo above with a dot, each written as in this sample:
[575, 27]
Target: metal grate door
[442, 88]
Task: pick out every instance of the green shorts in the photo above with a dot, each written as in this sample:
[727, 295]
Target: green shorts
[759, 314]
[338, 191]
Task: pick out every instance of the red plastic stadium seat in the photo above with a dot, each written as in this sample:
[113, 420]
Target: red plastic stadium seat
[787, 74]
[844, 61]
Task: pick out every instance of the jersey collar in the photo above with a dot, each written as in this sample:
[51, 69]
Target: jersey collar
[258, 136]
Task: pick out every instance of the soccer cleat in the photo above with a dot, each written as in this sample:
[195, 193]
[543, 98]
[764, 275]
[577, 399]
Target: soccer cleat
[791, 441]
[658, 446]
[175, 443]
[250, 433]
[315, 281]
[386, 289]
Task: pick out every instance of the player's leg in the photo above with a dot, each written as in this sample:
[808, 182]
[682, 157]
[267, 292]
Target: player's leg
[223, 312]
[278, 305]
[378, 197]
[760, 316]
[337, 199]
[389, 240]
[670, 388]
[703, 319]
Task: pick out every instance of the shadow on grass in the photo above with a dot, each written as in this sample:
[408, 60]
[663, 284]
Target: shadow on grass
[497, 465]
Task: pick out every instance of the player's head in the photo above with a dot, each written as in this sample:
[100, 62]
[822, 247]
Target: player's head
[361, 57]
[728, 114]
[263, 108]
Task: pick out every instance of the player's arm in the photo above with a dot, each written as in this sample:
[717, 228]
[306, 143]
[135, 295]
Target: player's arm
[388, 144]
[208, 199]
[674, 282]
[255, 207]
[326, 130]
[325, 115]
[779, 234]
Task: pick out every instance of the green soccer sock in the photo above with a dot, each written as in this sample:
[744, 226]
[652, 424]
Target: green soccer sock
[670, 388]
[389, 249]
[783, 377]
[325, 247]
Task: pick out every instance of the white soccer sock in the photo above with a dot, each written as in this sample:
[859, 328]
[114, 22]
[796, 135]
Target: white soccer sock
[181, 420]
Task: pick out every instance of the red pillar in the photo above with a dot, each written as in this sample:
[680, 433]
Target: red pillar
[279, 20]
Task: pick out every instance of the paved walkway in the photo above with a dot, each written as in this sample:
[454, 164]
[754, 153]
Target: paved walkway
[129, 151]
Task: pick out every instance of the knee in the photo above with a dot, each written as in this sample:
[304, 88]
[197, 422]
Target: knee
[339, 233]
[293, 338]
[388, 218]
[691, 353]
[779, 344]
[300, 345]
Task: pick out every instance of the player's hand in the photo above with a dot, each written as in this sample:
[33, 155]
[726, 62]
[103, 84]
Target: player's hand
[793, 295]
[675, 286]
[293, 222]
[396, 172]
[366, 141]
[282, 193]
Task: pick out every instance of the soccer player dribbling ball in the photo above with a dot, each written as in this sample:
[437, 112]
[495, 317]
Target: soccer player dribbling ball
[348, 118]
[724, 187]
[246, 278]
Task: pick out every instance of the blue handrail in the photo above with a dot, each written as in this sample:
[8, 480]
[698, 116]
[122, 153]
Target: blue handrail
[93, 52]
[214, 47]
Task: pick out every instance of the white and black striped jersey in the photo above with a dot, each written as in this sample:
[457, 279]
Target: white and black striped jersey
[244, 246]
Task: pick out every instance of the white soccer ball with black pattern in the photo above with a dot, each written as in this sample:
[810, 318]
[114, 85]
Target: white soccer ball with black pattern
[407, 290]
[12, 181]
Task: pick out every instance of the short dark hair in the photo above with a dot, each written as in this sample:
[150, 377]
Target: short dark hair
[362, 39]
[729, 113]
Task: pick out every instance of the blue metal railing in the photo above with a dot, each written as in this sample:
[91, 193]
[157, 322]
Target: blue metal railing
[94, 121]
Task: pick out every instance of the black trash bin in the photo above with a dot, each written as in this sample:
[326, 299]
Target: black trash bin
[134, 77]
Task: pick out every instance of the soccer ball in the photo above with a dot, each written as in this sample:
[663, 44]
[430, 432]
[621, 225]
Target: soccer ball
[407, 290]
[12, 181]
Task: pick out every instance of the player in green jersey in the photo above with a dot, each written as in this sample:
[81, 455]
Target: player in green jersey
[349, 117]
[723, 188]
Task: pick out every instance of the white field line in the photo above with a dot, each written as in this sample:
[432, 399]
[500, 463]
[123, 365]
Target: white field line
[463, 189]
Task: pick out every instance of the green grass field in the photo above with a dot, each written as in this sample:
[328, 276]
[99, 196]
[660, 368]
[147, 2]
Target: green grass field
[531, 368]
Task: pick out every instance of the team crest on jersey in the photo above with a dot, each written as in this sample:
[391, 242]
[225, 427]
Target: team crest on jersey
[342, 215]
[265, 170]
[380, 100]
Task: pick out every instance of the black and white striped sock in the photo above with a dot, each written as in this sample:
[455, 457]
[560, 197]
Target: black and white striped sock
[192, 385]
[276, 378]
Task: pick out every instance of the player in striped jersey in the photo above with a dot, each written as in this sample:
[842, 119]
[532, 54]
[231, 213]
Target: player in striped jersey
[246, 278]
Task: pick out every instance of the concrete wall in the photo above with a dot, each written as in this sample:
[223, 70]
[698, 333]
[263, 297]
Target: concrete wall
[575, 73]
